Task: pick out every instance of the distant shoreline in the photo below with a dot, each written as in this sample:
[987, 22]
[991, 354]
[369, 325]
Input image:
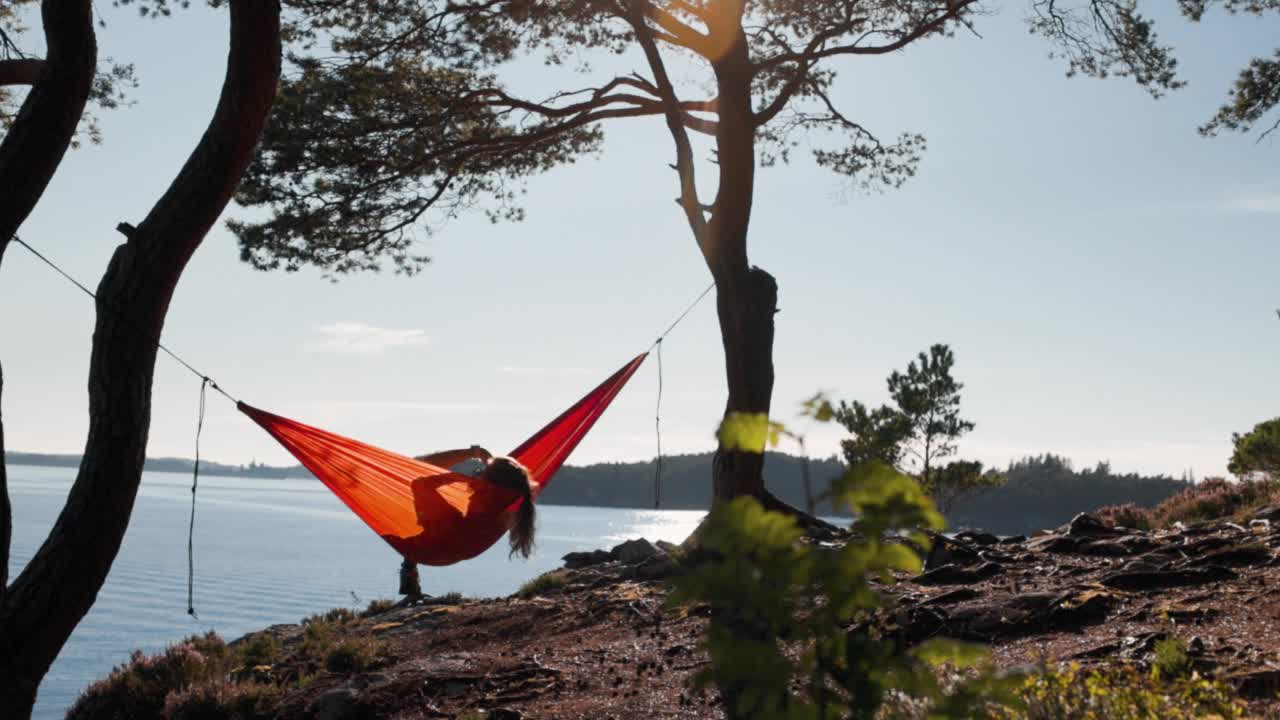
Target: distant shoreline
[623, 486]
[253, 470]
[1042, 491]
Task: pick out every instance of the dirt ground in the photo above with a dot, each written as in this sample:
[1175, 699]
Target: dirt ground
[603, 645]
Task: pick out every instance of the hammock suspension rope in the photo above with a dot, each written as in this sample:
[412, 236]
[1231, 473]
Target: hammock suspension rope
[575, 422]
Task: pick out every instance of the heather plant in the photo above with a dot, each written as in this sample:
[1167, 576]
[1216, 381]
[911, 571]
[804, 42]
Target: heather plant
[1128, 515]
[1212, 499]
[137, 689]
[223, 701]
[1215, 498]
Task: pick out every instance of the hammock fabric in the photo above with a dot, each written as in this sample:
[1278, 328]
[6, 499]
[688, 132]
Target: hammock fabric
[430, 515]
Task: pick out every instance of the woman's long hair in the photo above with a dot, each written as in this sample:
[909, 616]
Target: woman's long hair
[510, 474]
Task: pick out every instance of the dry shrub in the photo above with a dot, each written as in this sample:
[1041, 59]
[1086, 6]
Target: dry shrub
[223, 701]
[1128, 515]
[1215, 498]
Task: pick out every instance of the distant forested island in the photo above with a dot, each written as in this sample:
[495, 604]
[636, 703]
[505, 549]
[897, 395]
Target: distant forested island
[1046, 491]
[1042, 491]
[179, 465]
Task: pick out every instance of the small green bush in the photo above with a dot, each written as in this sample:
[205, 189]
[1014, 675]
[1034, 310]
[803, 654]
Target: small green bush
[318, 638]
[336, 616]
[355, 654]
[545, 582]
[1171, 659]
[1124, 694]
[377, 607]
[260, 649]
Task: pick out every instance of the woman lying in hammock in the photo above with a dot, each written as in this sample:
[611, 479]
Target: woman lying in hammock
[503, 472]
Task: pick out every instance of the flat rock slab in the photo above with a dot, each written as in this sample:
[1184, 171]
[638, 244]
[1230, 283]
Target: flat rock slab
[956, 575]
[952, 597]
[1157, 579]
[1238, 556]
[1119, 547]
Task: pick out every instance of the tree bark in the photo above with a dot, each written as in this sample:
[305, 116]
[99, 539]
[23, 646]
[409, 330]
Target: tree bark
[24, 71]
[59, 585]
[6, 510]
[47, 120]
[31, 152]
[746, 297]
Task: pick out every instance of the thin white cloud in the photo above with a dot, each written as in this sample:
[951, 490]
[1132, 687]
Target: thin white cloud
[353, 413]
[404, 406]
[357, 338]
[1253, 202]
[526, 370]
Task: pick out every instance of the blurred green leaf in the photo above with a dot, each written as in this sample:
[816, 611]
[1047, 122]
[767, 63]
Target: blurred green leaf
[939, 651]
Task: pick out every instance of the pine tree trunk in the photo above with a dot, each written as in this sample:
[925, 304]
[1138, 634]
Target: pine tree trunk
[746, 297]
[6, 510]
[45, 124]
[31, 151]
[60, 584]
[746, 306]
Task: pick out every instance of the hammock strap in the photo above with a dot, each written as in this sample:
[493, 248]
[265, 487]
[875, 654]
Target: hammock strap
[191, 529]
[120, 316]
[657, 427]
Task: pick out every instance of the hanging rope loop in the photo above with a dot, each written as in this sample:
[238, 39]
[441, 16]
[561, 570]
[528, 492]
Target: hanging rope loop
[656, 348]
[205, 382]
[657, 427]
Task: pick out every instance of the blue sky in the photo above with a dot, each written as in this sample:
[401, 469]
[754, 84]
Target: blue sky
[1106, 277]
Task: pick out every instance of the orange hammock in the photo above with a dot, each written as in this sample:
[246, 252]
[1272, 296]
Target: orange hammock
[430, 515]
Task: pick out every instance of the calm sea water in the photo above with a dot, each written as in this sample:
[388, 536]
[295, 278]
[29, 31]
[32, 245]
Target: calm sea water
[267, 551]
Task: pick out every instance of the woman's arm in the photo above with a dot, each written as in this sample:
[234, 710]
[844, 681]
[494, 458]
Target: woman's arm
[449, 458]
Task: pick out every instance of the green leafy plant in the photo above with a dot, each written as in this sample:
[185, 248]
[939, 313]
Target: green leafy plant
[1121, 693]
[796, 629]
[1171, 659]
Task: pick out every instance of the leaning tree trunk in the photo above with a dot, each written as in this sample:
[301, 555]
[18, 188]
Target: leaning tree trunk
[47, 120]
[31, 151]
[746, 297]
[59, 585]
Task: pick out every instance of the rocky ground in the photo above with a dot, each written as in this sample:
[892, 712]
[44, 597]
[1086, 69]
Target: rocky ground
[1094, 594]
[597, 641]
